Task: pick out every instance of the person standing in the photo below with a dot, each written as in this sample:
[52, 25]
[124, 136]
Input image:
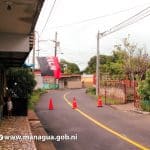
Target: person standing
[9, 106]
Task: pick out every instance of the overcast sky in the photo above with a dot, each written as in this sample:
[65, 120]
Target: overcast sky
[78, 40]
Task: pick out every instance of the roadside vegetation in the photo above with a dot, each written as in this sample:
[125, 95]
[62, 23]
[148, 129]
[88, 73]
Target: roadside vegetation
[68, 67]
[127, 62]
[106, 100]
[20, 82]
[20, 85]
[144, 92]
[35, 98]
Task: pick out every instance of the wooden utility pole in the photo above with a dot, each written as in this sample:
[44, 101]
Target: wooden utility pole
[55, 52]
[97, 67]
[56, 44]
[33, 42]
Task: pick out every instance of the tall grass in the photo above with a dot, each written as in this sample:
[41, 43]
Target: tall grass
[35, 98]
[109, 101]
[145, 105]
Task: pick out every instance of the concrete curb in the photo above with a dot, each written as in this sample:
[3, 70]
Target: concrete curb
[29, 128]
[37, 129]
[130, 110]
[141, 112]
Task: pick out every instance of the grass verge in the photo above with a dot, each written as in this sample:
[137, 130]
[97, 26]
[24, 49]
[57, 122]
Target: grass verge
[35, 98]
[145, 105]
[108, 101]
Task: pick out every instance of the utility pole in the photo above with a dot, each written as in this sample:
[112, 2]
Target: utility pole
[38, 47]
[97, 67]
[33, 57]
[55, 52]
[56, 44]
[33, 42]
[133, 19]
[38, 42]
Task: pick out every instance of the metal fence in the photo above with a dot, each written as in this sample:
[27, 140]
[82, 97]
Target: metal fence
[120, 91]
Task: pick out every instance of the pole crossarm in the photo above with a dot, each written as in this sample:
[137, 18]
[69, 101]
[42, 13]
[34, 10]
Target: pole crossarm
[137, 17]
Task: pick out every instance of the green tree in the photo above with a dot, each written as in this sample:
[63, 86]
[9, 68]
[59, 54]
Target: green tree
[110, 65]
[119, 54]
[144, 92]
[126, 59]
[104, 61]
[144, 87]
[115, 70]
[116, 67]
[91, 68]
[20, 82]
[68, 67]
[135, 61]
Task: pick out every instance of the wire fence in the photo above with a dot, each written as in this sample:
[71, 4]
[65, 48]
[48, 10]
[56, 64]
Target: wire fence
[120, 92]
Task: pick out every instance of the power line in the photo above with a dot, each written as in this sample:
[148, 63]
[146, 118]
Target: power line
[50, 13]
[142, 14]
[96, 18]
[137, 17]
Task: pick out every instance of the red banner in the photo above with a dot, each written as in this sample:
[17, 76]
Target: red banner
[49, 66]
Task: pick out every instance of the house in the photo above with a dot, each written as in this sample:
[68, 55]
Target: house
[69, 81]
[18, 19]
[87, 80]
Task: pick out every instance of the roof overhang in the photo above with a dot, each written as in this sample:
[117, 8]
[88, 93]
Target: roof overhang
[18, 20]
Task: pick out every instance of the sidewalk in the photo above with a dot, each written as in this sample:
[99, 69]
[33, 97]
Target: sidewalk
[124, 107]
[21, 126]
[16, 126]
[37, 129]
[31, 126]
[129, 107]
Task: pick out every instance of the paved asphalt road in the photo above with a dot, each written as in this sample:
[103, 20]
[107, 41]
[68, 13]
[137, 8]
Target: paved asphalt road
[120, 130]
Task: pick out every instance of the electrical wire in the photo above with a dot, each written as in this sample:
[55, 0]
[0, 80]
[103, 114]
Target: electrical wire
[50, 13]
[137, 17]
[96, 18]
[142, 14]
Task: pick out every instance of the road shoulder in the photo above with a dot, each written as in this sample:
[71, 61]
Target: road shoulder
[38, 130]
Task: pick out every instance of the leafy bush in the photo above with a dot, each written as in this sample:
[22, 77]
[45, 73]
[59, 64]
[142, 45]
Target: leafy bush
[35, 98]
[20, 82]
[144, 87]
[91, 91]
[144, 92]
[109, 101]
[145, 105]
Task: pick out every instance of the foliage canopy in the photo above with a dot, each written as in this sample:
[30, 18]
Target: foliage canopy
[127, 60]
[144, 87]
[20, 82]
[68, 67]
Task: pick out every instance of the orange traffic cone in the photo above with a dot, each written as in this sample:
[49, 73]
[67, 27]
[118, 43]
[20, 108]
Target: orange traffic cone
[99, 102]
[51, 104]
[74, 103]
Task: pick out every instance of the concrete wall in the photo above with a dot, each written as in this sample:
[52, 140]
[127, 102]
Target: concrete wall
[14, 42]
[61, 84]
[39, 81]
[113, 92]
[74, 84]
[87, 80]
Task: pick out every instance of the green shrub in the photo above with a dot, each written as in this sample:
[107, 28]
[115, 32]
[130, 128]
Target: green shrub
[91, 91]
[20, 82]
[35, 98]
[111, 101]
[144, 92]
[145, 105]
